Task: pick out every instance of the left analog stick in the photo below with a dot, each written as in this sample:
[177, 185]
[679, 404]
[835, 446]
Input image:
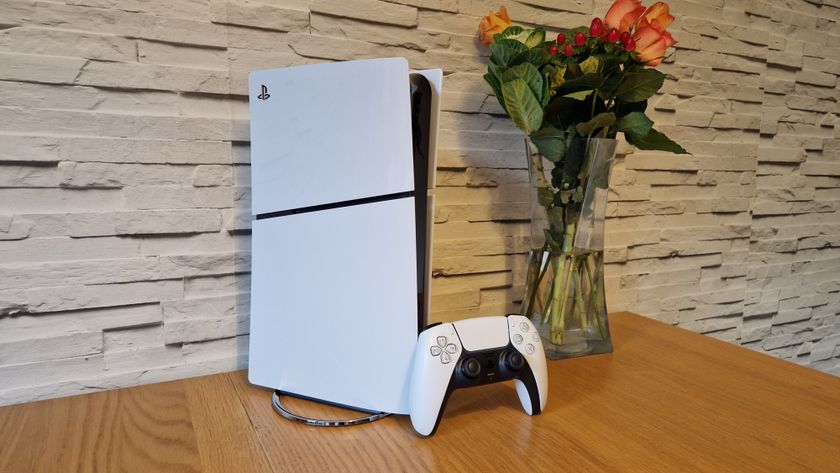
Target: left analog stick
[471, 367]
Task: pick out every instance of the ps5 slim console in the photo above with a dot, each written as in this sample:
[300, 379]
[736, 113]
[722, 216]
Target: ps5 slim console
[342, 157]
[475, 352]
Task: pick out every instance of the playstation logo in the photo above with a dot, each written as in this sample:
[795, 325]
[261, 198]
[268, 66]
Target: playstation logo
[264, 95]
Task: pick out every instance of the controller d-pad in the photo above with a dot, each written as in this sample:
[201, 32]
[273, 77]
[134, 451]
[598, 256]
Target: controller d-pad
[443, 349]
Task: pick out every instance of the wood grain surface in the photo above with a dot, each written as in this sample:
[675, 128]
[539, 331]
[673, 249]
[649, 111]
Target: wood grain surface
[666, 400]
[192, 425]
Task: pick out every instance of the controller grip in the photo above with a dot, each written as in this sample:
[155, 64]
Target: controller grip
[428, 409]
[431, 383]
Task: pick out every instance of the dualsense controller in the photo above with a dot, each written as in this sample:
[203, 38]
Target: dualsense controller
[475, 352]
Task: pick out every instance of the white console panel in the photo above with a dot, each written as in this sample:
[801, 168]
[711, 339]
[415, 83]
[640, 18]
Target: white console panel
[335, 282]
[330, 133]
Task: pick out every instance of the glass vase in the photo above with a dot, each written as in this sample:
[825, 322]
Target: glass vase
[564, 289]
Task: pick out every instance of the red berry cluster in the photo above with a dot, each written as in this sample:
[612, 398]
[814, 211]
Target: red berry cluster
[568, 49]
[596, 30]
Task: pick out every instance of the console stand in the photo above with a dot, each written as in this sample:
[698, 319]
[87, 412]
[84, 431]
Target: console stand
[278, 406]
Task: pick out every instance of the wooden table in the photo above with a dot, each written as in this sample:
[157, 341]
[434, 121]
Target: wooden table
[667, 400]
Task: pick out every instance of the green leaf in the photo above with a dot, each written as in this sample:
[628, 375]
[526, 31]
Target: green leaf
[509, 32]
[623, 108]
[555, 219]
[598, 121]
[551, 142]
[609, 86]
[572, 163]
[590, 65]
[581, 95]
[545, 196]
[584, 82]
[535, 38]
[513, 44]
[656, 141]
[552, 241]
[522, 106]
[546, 92]
[573, 70]
[556, 73]
[503, 52]
[609, 62]
[497, 71]
[537, 56]
[563, 111]
[640, 85]
[497, 89]
[635, 124]
[577, 195]
[529, 74]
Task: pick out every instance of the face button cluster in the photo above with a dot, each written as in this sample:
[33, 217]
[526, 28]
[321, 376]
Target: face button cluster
[518, 338]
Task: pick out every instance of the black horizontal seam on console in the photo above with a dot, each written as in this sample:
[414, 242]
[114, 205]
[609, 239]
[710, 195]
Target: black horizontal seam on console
[336, 205]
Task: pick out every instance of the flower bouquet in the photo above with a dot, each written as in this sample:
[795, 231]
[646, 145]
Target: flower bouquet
[571, 95]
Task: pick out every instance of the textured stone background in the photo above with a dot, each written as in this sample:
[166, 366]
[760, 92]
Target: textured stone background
[124, 193]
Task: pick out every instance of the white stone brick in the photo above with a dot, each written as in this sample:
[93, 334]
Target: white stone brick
[260, 15]
[207, 286]
[205, 264]
[90, 271]
[162, 356]
[52, 325]
[212, 176]
[160, 27]
[380, 34]
[64, 248]
[196, 330]
[51, 371]
[145, 151]
[56, 200]
[133, 338]
[16, 228]
[110, 175]
[177, 197]
[30, 67]
[53, 348]
[214, 349]
[205, 308]
[52, 42]
[149, 76]
[28, 149]
[369, 10]
[180, 55]
[167, 222]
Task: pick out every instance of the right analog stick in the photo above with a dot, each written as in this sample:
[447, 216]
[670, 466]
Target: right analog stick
[514, 360]
[471, 367]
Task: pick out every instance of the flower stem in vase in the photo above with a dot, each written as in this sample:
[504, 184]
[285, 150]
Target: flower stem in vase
[580, 307]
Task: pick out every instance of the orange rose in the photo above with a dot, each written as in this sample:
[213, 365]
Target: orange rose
[651, 43]
[492, 24]
[658, 16]
[623, 14]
